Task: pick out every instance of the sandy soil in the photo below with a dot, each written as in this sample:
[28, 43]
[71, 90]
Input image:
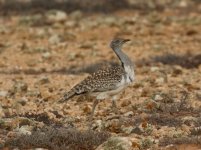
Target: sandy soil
[43, 53]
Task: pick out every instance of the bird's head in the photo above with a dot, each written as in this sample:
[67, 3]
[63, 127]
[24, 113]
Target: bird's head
[117, 43]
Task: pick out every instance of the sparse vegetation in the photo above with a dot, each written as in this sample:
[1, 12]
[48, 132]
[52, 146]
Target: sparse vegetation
[48, 46]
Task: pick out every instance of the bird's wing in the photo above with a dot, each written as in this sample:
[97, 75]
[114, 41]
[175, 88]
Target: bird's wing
[102, 80]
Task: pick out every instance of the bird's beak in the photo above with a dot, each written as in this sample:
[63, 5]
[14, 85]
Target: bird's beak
[126, 40]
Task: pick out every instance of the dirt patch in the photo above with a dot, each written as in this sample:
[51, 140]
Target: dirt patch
[46, 49]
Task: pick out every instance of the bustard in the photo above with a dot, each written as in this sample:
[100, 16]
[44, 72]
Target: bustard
[107, 82]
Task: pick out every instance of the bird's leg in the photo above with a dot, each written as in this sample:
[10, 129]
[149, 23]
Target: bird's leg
[114, 105]
[93, 109]
[92, 112]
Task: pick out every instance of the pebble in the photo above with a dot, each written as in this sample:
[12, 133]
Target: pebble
[24, 130]
[20, 86]
[127, 130]
[43, 80]
[55, 39]
[98, 125]
[46, 55]
[71, 24]
[116, 143]
[32, 93]
[129, 114]
[76, 15]
[153, 69]
[158, 97]
[3, 93]
[56, 16]
[113, 125]
[160, 80]
[125, 103]
[87, 109]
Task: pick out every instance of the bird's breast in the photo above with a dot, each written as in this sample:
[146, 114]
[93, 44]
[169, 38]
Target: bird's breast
[130, 75]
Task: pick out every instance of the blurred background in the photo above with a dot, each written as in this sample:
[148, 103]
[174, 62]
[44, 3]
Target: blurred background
[47, 46]
[46, 26]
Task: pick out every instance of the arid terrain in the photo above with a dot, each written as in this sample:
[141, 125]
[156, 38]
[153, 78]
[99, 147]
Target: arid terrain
[48, 47]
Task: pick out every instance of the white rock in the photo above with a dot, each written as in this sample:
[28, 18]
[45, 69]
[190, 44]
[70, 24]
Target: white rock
[56, 16]
[127, 114]
[158, 98]
[54, 39]
[127, 130]
[3, 93]
[153, 69]
[116, 143]
[25, 130]
[160, 80]
[76, 15]
[46, 55]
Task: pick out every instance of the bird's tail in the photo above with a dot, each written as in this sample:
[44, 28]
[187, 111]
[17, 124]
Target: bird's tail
[67, 95]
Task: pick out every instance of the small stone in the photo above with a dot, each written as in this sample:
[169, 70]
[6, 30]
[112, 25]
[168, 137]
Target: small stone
[46, 55]
[98, 125]
[129, 114]
[43, 80]
[113, 125]
[31, 62]
[189, 120]
[185, 128]
[20, 86]
[40, 32]
[158, 98]
[46, 95]
[2, 114]
[158, 47]
[23, 101]
[153, 69]
[11, 134]
[76, 15]
[24, 130]
[110, 21]
[127, 130]
[125, 103]
[160, 80]
[87, 109]
[116, 143]
[3, 93]
[55, 39]
[183, 4]
[71, 24]
[177, 70]
[34, 93]
[56, 16]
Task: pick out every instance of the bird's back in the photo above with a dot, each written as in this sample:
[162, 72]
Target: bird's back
[100, 81]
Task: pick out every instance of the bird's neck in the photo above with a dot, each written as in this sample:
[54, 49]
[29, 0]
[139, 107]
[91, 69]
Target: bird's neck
[126, 62]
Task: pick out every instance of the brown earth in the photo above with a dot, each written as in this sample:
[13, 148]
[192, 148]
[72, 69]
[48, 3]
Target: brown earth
[44, 51]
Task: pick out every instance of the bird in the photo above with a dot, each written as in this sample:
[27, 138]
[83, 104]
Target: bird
[108, 82]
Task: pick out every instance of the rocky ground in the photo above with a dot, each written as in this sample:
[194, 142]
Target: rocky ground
[44, 51]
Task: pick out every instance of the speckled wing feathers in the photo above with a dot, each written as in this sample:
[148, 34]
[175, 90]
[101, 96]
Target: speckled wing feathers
[100, 81]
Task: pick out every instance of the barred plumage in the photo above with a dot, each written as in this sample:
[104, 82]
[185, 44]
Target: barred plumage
[100, 81]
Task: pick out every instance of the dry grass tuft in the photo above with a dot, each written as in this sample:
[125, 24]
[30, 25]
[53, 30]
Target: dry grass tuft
[59, 139]
[181, 140]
